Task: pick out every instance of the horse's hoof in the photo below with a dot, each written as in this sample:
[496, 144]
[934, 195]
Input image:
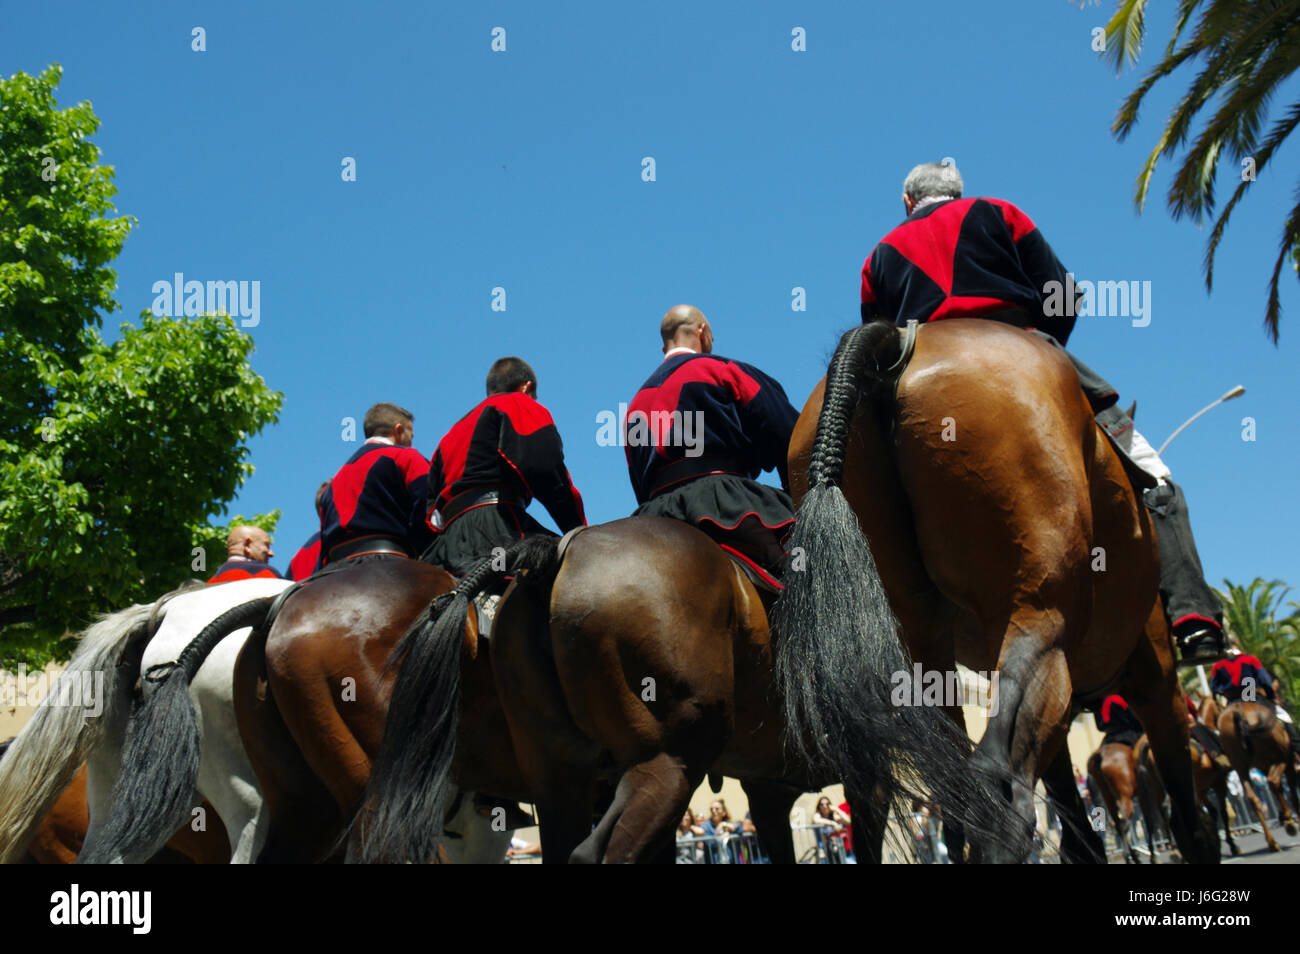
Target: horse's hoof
[1273, 846]
[1235, 850]
[1292, 829]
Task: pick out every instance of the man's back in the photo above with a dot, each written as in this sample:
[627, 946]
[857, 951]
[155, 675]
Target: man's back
[380, 492]
[507, 442]
[700, 407]
[964, 258]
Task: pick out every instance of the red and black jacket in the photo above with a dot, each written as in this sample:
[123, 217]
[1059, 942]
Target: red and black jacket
[380, 492]
[965, 258]
[747, 421]
[508, 443]
[1227, 675]
[233, 570]
[307, 560]
[1114, 718]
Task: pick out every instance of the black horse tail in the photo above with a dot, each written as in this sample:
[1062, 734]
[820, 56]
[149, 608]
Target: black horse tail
[405, 804]
[154, 791]
[838, 643]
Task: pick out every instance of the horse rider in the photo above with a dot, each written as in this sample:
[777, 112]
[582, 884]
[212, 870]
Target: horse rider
[985, 258]
[1229, 678]
[1207, 737]
[699, 431]
[375, 504]
[248, 550]
[308, 558]
[491, 465]
[1116, 723]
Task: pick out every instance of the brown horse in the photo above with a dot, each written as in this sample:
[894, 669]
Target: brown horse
[311, 699]
[1114, 767]
[1003, 533]
[638, 655]
[1253, 738]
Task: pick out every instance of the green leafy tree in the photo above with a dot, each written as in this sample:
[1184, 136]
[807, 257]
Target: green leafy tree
[113, 458]
[1245, 50]
[1253, 615]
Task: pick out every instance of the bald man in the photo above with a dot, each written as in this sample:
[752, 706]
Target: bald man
[248, 549]
[699, 431]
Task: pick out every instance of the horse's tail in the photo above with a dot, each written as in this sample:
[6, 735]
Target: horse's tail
[40, 763]
[405, 804]
[154, 791]
[838, 645]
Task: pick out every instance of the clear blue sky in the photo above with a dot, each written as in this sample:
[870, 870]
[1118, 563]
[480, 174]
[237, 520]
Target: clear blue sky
[522, 169]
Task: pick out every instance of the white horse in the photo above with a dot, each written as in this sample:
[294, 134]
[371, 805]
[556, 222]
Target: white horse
[148, 771]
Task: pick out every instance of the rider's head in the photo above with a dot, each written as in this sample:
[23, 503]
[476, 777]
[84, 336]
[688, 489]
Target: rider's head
[686, 327]
[251, 542]
[320, 497]
[389, 420]
[511, 374]
[931, 180]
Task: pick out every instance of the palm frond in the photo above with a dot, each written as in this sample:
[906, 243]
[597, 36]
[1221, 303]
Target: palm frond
[1280, 131]
[1124, 34]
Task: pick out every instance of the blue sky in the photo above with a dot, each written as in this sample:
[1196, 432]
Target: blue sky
[522, 170]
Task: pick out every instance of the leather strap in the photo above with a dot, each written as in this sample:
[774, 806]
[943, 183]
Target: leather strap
[476, 497]
[364, 545]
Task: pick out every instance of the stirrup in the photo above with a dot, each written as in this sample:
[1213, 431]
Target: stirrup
[1203, 646]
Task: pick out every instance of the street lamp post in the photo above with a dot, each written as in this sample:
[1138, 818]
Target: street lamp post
[1236, 392]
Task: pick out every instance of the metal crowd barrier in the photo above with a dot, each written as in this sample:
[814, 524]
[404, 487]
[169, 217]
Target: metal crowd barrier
[740, 848]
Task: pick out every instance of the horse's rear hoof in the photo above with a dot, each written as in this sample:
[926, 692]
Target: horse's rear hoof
[1234, 850]
[1292, 829]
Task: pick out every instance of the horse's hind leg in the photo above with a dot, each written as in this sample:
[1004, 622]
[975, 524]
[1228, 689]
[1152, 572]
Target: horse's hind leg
[1275, 783]
[1027, 726]
[1221, 810]
[648, 803]
[770, 804]
[1150, 684]
[1080, 843]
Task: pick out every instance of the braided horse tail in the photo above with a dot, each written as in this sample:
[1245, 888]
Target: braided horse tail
[838, 643]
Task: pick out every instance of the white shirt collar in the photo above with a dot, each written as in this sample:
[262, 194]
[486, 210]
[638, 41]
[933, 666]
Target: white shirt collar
[674, 352]
[930, 200]
[381, 440]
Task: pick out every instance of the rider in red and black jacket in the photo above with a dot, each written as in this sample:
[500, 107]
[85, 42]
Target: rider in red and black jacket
[491, 465]
[1116, 722]
[984, 258]
[375, 504]
[698, 432]
[1228, 676]
[964, 258]
[249, 549]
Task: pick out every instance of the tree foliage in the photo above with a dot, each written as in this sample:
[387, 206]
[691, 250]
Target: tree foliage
[113, 457]
[1244, 51]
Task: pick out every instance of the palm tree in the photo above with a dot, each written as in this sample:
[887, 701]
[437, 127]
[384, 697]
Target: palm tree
[1252, 616]
[1245, 50]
